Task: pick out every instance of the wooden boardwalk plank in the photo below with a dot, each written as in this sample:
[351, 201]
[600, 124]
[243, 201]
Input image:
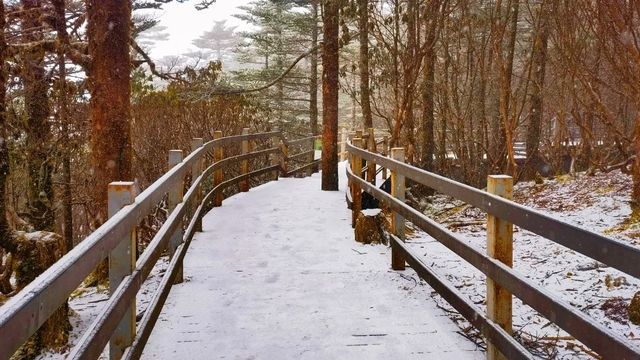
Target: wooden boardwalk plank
[285, 280]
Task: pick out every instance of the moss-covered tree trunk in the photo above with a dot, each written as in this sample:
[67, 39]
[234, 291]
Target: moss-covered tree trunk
[38, 130]
[35, 252]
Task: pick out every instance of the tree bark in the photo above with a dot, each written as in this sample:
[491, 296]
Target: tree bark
[108, 30]
[534, 127]
[363, 27]
[313, 106]
[428, 107]
[330, 91]
[109, 72]
[505, 160]
[5, 230]
[67, 209]
[38, 129]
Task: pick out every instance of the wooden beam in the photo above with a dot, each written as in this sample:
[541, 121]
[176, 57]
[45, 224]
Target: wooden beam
[499, 247]
[397, 221]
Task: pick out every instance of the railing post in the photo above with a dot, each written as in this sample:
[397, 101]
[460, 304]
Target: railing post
[385, 152]
[122, 261]
[244, 165]
[196, 170]
[371, 172]
[397, 221]
[284, 149]
[499, 247]
[360, 135]
[311, 155]
[356, 197]
[176, 196]
[218, 175]
[343, 145]
[275, 159]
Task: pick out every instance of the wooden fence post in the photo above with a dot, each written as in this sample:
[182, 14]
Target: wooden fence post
[371, 172]
[356, 197]
[218, 175]
[244, 165]
[122, 262]
[284, 149]
[176, 196]
[275, 159]
[397, 221]
[385, 152]
[343, 145]
[312, 155]
[196, 170]
[499, 247]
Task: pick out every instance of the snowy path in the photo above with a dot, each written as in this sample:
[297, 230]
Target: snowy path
[276, 274]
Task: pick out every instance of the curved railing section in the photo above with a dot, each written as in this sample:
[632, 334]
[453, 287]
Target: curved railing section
[24, 313]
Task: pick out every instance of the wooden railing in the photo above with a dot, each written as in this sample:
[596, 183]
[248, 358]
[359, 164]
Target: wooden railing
[502, 280]
[116, 324]
[381, 140]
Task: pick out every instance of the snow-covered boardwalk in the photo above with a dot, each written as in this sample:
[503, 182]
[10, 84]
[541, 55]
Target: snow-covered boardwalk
[276, 274]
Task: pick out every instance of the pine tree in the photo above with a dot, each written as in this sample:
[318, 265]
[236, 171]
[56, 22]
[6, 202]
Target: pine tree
[283, 33]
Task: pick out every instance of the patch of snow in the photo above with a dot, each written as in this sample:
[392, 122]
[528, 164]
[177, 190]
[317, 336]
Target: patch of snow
[371, 212]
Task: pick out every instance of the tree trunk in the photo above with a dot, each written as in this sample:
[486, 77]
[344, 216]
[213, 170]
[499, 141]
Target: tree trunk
[313, 106]
[539, 56]
[33, 254]
[410, 68]
[428, 117]
[363, 27]
[5, 230]
[108, 32]
[635, 196]
[38, 129]
[330, 64]
[63, 118]
[509, 123]
[505, 161]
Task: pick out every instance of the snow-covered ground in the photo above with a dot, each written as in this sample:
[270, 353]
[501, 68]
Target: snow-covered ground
[86, 303]
[276, 274]
[599, 203]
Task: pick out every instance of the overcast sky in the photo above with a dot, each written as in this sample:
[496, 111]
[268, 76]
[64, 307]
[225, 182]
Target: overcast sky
[184, 23]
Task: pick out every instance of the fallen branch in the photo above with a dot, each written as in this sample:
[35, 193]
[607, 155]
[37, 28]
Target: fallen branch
[624, 166]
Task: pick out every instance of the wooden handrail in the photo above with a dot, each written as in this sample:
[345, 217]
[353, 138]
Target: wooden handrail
[304, 153]
[97, 335]
[302, 140]
[575, 322]
[23, 314]
[304, 167]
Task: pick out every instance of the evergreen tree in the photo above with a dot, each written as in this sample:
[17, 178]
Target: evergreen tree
[283, 32]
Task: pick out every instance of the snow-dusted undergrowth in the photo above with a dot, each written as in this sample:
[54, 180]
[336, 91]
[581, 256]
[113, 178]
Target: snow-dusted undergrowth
[599, 203]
